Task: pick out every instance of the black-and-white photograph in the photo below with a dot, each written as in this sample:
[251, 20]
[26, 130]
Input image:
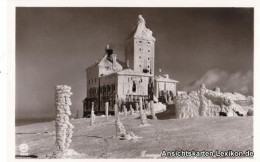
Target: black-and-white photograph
[134, 82]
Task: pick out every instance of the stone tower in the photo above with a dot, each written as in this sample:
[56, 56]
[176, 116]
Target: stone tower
[139, 48]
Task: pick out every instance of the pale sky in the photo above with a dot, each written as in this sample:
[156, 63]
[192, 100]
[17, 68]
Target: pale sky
[55, 46]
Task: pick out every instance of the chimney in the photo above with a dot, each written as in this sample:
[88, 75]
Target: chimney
[127, 63]
[109, 51]
[113, 56]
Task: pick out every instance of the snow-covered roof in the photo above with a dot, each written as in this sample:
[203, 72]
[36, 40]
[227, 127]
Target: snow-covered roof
[141, 32]
[106, 61]
[165, 79]
[131, 72]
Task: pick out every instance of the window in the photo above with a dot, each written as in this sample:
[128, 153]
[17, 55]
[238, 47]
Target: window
[88, 81]
[113, 88]
[108, 88]
[134, 87]
[140, 41]
[148, 66]
[148, 50]
[140, 57]
[140, 66]
[148, 58]
[140, 49]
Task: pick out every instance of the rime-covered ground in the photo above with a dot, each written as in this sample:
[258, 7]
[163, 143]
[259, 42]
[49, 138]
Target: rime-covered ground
[204, 133]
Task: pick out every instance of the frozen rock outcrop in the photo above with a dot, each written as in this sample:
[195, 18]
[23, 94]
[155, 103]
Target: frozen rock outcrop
[204, 102]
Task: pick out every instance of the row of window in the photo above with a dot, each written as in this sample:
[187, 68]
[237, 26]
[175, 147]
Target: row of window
[141, 42]
[140, 57]
[140, 49]
[103, 89]
[92, 80]
[141, 66]
[140, 81]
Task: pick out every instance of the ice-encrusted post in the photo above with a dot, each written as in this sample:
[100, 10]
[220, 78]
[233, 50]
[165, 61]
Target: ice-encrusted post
[106, 109]
[63, 126]
[142, 113]
[152, 110]
[131, 110]
[116, 110]
[125, 110]
[136, 106]
[148, 107]
[92, 117]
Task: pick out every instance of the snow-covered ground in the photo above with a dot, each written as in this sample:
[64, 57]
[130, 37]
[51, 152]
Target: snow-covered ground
[98, 141]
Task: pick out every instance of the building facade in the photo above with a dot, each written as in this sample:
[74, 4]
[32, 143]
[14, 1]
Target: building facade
[111, 80]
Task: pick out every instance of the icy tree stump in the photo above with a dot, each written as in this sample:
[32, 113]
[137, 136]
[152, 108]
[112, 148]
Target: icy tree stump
[120, 130]
[131, 110]
[125, 110]
[152, 110]
[92, 117]
[142, 114]
[63, 126]
[106, 109]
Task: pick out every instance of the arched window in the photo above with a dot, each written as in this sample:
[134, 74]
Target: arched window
[134, 87]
